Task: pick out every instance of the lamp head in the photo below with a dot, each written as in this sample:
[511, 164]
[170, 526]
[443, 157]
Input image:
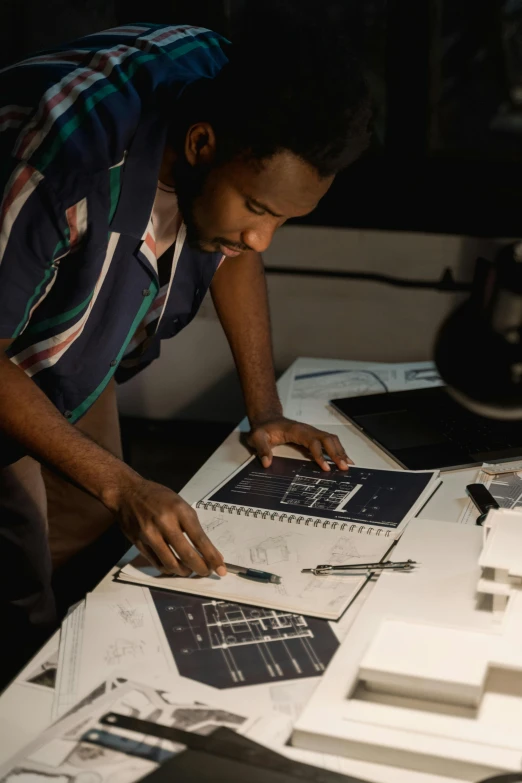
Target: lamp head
[478, 350]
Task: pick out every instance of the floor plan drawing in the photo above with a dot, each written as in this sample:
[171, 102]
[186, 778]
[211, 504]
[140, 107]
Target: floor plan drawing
[300, 487]
[320, 493]
[227, 645]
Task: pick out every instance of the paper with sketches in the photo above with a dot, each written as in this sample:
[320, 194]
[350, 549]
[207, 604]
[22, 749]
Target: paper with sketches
[311, 388]
[120, 638]
[274, 547]
[63, 754]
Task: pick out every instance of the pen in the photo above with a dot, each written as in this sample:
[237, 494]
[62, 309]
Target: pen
[253, 573]
[483, 499]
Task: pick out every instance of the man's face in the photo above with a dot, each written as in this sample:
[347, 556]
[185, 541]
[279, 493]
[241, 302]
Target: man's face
[237, 206]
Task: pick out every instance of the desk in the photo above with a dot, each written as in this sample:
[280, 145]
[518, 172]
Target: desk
[26, 710]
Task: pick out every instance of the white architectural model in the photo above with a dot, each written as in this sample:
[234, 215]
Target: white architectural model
[430, 676]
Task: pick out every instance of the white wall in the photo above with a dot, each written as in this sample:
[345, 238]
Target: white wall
[345, 319]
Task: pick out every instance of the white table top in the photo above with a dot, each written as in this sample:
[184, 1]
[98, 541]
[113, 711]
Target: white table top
[26, 710]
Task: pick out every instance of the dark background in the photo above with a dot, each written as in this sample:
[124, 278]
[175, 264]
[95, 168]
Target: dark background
[446, 80]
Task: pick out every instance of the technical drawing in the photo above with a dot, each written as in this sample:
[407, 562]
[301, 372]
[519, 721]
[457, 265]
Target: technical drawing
[507, 490]
[320, 493]
[227, 645]
[271, 550]
[334, 384]
[299, 487]
[423, 374]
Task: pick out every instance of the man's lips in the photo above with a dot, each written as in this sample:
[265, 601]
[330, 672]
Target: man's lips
[229, 251]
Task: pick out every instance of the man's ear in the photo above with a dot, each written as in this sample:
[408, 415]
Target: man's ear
[200, 143]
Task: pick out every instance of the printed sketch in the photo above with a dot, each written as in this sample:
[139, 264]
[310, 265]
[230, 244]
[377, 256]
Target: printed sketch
[428, 373]
[226, 645]
[45, 674]
[130, 615]
[299, 487]
[506, 488]
[334, 384]
[320, 493]
[121, 650]
[203, 720]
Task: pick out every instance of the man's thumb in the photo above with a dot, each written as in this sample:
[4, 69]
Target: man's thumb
[261, 443]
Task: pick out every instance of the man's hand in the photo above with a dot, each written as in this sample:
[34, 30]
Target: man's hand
[156, 519]
[276, 431]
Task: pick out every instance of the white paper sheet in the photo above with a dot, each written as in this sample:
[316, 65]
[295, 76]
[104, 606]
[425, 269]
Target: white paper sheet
[311, 388]
[69, 661]
[120, 639]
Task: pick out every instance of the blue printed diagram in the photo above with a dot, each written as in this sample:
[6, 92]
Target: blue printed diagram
[226, 645]
[320, 493]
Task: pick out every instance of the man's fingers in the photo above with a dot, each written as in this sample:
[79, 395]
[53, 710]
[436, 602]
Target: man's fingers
[149, 555]
[170, 564]
[260, 441]
[204, 557]
[316, 450]
[214, 559]
[332, 446]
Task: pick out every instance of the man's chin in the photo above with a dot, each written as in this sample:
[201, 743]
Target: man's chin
[201, 246]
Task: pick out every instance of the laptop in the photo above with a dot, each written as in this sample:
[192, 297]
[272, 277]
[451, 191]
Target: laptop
[426, 428]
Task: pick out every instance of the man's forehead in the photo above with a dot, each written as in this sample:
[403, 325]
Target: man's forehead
[284, 183]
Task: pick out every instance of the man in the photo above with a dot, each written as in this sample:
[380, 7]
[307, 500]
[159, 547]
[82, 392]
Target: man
[141, 166]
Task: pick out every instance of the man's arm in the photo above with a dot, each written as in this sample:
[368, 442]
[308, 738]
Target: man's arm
[240, 297]
[153, 517]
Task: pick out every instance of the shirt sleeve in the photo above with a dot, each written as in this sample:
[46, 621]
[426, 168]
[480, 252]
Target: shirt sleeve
[31, 241]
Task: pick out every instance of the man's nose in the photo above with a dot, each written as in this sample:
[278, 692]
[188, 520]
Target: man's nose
[260, 237]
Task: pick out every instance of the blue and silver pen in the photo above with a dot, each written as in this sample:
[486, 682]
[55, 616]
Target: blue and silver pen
[253, 573]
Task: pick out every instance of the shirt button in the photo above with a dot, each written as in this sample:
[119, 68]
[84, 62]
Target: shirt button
[114, 363]
[67, 414]
[145, 292]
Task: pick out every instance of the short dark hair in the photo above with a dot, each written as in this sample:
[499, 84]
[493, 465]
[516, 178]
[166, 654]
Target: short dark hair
[289, 85]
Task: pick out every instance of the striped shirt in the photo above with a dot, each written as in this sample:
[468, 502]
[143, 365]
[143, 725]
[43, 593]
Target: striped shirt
[82, 135]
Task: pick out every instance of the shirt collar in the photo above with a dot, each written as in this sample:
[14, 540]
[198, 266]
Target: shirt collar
[140, 175]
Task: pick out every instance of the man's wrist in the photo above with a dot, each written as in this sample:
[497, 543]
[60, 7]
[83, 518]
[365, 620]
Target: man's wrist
[260, 416]
[116, 486]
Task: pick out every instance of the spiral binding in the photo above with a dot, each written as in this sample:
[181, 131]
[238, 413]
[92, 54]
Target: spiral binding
[349, 527]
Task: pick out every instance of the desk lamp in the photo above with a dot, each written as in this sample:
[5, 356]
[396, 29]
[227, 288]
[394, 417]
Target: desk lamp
[479, 347]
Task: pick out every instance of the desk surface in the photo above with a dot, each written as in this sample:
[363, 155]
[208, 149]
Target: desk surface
[26, 710]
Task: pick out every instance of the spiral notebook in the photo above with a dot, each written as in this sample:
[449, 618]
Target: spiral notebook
[292, 516]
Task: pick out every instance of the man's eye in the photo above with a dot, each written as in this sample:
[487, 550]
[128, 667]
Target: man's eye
[251, 209]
